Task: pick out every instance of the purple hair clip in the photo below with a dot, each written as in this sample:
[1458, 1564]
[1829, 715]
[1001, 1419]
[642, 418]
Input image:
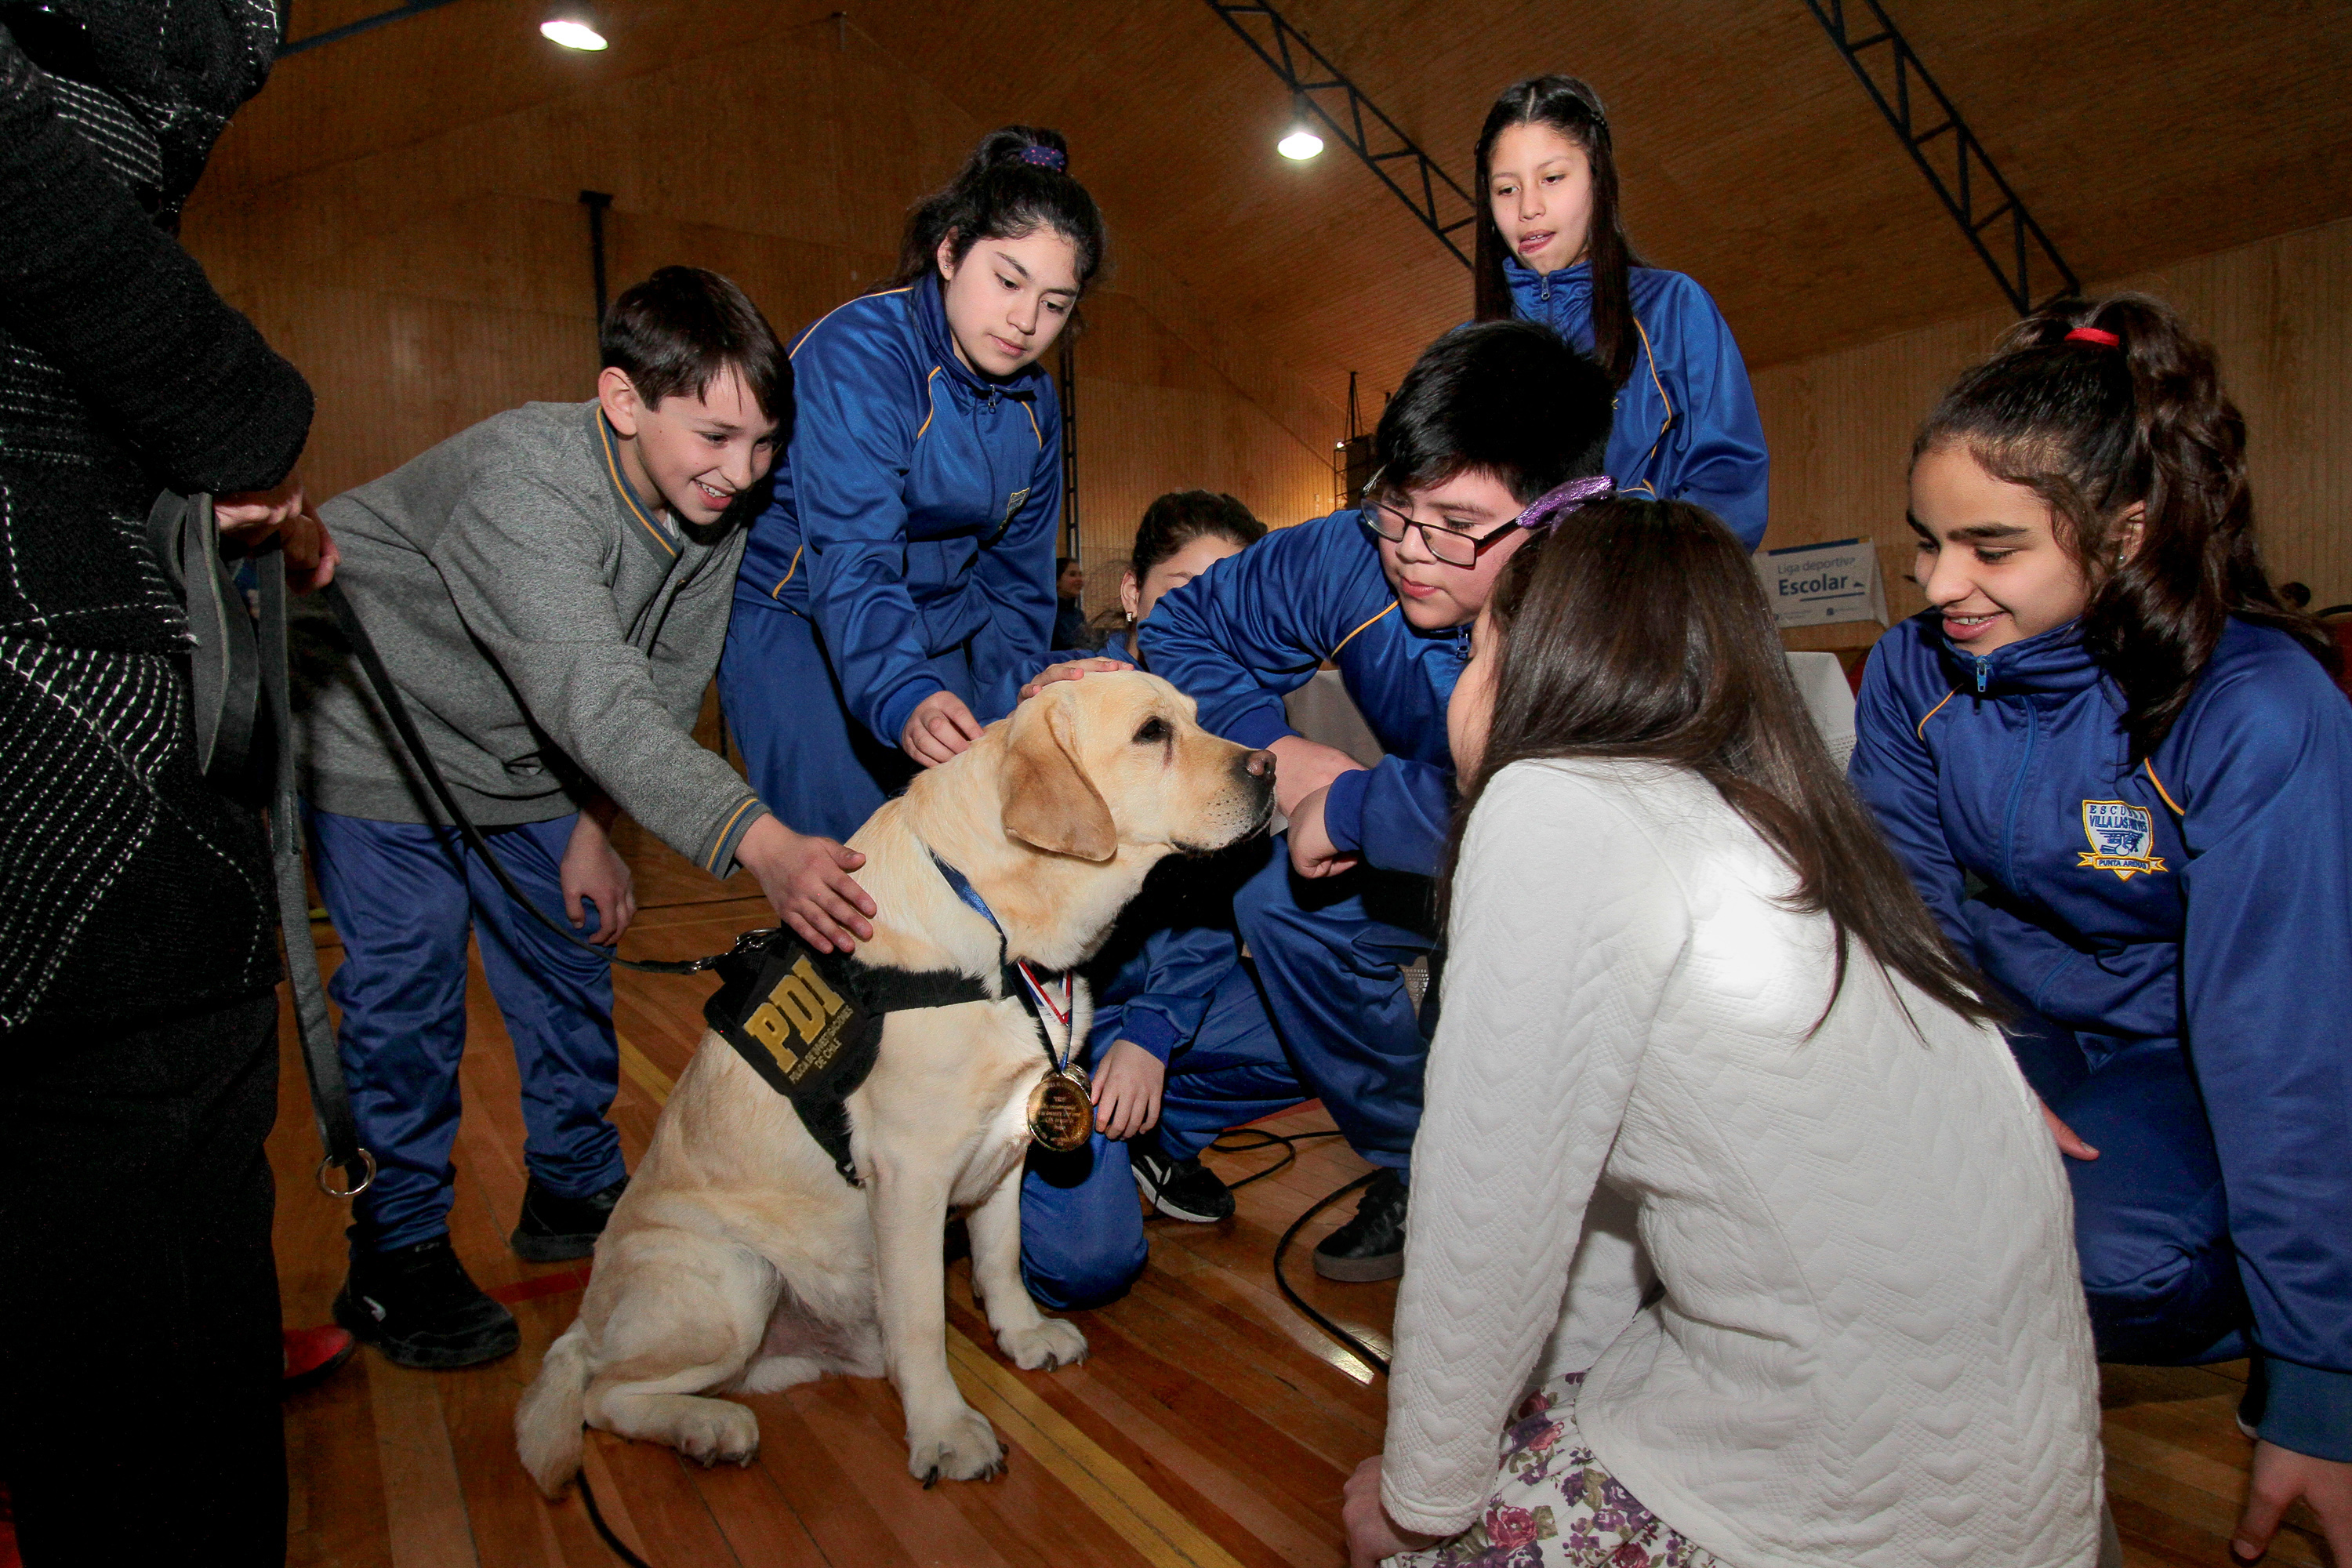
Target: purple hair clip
[1044, 157]
[1547, 508]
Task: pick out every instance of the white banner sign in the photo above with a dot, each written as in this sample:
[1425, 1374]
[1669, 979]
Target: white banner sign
[1820, 585]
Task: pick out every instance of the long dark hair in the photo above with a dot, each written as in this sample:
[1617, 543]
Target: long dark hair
[1015, 182]
[2095, 428]
[1637, 629]
[1572, 109]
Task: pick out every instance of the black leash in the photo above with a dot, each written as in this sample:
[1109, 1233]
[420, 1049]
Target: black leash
[239, 674]
[238, 670]
[330, 1102]
[388, 693]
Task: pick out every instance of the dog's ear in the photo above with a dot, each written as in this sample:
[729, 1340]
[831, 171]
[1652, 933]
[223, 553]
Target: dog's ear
[1048, 800]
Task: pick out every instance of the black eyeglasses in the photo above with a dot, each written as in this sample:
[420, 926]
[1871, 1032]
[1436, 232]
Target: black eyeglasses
[1451, 545]
[1456, 548]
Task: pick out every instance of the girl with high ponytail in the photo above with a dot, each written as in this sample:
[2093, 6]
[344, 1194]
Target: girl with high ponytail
[1553, 248]
[898, 588]
[2115, 765]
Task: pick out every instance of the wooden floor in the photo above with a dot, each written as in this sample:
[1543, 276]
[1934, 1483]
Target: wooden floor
[1211, 1425]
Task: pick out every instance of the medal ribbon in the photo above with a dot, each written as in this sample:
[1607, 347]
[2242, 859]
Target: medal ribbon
[1062, 1013]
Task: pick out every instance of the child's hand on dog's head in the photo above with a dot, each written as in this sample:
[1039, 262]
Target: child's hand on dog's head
[1071, 670]
[941, 727]
[808, 881]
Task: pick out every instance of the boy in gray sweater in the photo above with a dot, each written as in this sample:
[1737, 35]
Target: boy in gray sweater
[550, 591]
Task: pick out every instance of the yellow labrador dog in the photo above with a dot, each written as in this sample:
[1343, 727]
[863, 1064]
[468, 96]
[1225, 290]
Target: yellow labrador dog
[740, 1260]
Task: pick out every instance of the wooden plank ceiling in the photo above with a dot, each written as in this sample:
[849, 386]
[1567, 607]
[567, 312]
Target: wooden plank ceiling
[1752, 159]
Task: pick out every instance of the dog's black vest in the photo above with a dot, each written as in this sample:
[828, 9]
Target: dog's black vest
[811, 1024]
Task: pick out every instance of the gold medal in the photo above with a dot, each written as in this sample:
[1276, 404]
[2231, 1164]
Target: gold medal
[1061, 1113]
[1061, 1116]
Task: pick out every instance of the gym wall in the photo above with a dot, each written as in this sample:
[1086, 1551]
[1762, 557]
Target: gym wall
[424, 283]
[2279, 314]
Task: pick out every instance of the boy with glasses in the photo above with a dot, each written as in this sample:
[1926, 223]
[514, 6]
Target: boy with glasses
[1499, 425]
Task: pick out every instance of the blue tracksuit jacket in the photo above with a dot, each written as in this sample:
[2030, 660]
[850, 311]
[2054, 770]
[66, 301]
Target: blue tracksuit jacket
[1686, 426]
[915, 510]
[1171, 980]
[1238, 637]
[2204, 897]
[1159, 972]
[1173, 946]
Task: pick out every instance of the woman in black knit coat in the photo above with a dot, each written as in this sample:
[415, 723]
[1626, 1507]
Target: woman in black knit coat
[139, 1327]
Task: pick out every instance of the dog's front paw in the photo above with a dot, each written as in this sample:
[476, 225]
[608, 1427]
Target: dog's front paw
[1042, 1346]
[716, 1429]
[962, 1448]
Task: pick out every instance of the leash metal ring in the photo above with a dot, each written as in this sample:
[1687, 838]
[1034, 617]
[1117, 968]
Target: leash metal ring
[330, 1163]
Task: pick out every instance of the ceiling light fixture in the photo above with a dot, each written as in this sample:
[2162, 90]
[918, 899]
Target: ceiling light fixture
[1300, 143]
[573, 26]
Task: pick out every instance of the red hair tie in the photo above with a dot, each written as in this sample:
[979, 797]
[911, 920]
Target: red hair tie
[2106, 340]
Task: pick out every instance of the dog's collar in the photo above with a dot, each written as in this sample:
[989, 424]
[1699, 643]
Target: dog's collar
[1021, 979]
[962, 887]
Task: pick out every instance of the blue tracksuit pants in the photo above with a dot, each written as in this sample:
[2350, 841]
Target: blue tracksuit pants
[1330, 955]
[2150, 1222]
[1082, 1240]
[814, 765]
[402, 898]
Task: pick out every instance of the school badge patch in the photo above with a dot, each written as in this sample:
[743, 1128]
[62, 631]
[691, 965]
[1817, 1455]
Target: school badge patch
[1011, 510]
[2121, 836]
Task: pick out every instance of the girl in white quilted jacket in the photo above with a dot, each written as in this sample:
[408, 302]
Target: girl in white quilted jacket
[1734, 1229]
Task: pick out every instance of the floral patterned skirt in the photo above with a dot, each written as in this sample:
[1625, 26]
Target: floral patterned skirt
[1554, 1507]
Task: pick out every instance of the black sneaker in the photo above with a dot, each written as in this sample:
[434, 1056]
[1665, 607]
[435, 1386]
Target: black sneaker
[1180, 1189]
[1371, 1246]
[421, 1309]
[554, 1229]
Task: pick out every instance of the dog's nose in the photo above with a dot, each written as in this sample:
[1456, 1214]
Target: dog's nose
[1260, 764]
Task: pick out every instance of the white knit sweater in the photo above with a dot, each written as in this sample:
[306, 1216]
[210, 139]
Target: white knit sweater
[1871, 1346]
